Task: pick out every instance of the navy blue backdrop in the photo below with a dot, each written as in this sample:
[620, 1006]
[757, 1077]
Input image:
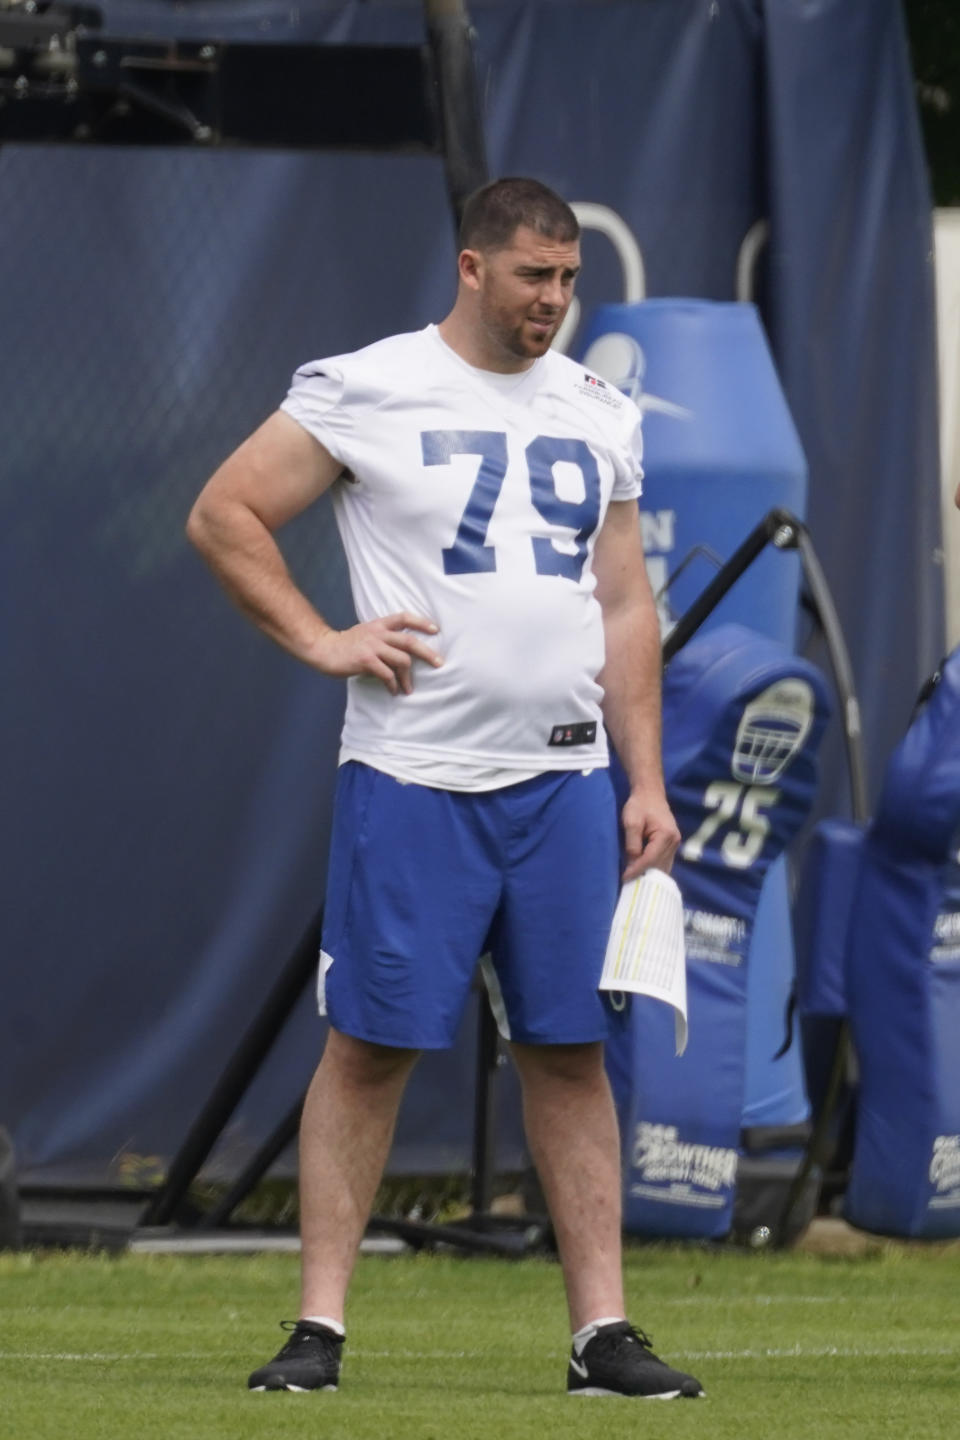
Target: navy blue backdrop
[167, 774]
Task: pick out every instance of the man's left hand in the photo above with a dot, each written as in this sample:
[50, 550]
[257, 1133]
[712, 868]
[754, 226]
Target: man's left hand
[650, 833]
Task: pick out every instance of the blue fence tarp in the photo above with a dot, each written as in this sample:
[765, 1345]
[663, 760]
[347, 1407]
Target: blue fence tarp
[167, 775]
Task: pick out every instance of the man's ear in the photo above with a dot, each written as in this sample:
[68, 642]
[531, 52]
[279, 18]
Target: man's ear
[470, 268]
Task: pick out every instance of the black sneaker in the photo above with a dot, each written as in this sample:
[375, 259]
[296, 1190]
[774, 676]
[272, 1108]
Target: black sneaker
[618, 1360]
[310, 1360]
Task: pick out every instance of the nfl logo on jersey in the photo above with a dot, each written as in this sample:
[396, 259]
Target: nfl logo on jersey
[582, 734]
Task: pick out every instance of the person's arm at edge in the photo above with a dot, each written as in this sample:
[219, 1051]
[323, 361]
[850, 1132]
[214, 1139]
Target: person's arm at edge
[631, 683]
[273, 476]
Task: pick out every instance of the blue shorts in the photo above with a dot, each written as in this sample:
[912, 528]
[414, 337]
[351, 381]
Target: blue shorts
[422, 882]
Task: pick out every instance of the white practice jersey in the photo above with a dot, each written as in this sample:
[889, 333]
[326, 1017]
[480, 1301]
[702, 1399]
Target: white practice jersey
[475, 500]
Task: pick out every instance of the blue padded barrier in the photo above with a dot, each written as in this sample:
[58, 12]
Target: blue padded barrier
[903, 984]
[821, 920]
[743, 719]
[822, 915]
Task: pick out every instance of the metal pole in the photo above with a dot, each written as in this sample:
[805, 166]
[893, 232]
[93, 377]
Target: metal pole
[273, 1146]
[451, 45]
[789, 533]
[826, 613]
[843, 1056]
[777, 525]
[236, 1077]
[484, 1160]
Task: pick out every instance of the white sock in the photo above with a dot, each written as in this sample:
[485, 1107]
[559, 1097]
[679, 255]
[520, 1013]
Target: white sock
[587, 1333]
[333, 1325]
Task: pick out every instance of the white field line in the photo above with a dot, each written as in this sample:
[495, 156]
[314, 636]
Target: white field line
[726, 1302]
[823, 1352]
[789, 1352]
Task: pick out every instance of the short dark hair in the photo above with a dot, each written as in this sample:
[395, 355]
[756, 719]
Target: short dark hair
[492, 215]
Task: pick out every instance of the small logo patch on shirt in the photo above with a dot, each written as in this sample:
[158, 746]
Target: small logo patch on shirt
[583, 734]
[599, 390]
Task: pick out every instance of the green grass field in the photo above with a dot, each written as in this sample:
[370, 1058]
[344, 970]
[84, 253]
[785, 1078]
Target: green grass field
[786, 1346]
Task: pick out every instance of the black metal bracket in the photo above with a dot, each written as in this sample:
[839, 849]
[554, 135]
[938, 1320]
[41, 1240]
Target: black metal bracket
[62, 78]
[784, 531]
[236, 1078]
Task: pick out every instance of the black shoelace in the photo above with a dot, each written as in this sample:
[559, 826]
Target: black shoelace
[628, 1335]
[301, 1334]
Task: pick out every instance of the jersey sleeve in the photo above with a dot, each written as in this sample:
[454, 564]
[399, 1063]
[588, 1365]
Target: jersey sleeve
[317, 400]
[628, 463]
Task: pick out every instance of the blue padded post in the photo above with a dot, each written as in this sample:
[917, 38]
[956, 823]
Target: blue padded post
[743, 719]
[822, 916]
[903, 984]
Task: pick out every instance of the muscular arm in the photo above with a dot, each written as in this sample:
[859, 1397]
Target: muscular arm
[631, 682]
[273, 476]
